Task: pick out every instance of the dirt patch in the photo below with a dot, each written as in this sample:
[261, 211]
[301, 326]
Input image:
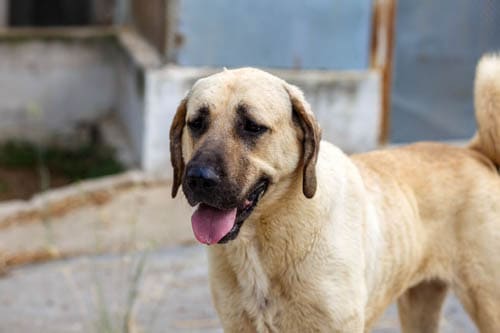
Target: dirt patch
[23, 183]
[27, 168]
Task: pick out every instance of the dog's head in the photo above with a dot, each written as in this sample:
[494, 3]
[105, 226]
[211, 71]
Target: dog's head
[237, 136]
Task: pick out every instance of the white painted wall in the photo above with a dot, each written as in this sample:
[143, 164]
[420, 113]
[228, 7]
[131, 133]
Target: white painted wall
[164, 90]
[48, 87]
[347, 105]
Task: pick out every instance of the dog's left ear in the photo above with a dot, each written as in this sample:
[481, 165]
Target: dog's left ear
[312, 137]
[176, 145]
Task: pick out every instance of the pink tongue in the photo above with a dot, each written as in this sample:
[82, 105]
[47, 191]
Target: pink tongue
[210, 224]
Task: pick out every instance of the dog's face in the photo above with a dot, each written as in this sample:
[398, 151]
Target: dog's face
[238, 136]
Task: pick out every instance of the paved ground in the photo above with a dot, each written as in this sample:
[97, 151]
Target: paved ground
[162, 290]
[92, 294]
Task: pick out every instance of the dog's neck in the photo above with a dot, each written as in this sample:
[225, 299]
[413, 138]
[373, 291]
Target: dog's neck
[276, 238]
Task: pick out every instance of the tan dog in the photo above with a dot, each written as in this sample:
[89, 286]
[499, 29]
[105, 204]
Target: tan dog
[306, 239]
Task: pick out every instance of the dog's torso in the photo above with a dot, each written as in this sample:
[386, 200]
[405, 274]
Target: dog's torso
[306, 239]
[434, 205]
[379, 224]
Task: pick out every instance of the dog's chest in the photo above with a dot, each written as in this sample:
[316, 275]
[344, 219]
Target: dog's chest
[256, 291]
[269, 289]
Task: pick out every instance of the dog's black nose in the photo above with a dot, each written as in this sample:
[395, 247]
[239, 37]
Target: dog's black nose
[202, 178]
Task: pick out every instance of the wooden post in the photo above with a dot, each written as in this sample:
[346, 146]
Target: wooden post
[382, 50]
[150, 19]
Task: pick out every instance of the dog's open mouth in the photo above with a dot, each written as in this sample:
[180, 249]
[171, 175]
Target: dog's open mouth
[213, 225]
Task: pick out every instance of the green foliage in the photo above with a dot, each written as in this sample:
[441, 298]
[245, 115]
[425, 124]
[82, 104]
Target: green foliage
[18, 154]
[3, 186]
[90, 161]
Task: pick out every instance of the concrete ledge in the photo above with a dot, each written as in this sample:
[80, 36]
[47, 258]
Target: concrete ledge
[141, 52]
[27, 34]
[137, 48]
[59, 202]
[115, 214]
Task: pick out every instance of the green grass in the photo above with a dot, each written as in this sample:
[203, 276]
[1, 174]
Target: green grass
[90, 161]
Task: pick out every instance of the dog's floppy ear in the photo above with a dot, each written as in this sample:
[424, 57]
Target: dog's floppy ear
[176, 145]
[312, 137]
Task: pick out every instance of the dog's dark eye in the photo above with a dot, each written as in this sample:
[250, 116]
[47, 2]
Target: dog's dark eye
[197, 125]
[251, 127]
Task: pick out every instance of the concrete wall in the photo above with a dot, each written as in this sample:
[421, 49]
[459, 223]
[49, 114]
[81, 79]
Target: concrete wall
[48, 87]
[347, 106]
[4, 11]
[51, 86]
[164, 90]
[437, 46]
[135, 60]
[314, 34]
[130, 103]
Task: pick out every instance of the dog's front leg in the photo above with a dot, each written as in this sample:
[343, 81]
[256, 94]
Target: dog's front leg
[348, 317]
[345, 288]
[227, 304]
[226, 294]
[352, 324]
[325, 303]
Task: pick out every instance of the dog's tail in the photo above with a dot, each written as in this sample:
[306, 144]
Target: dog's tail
[487, 104]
